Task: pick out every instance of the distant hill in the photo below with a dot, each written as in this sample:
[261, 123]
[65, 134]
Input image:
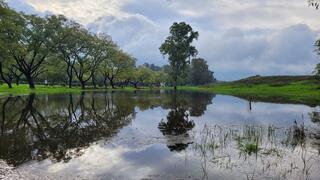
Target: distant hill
[275, 80]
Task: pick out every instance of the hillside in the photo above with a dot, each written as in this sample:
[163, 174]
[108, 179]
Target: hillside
[279, 89]
[276, 80]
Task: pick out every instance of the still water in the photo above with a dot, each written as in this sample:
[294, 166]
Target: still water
[158, 135]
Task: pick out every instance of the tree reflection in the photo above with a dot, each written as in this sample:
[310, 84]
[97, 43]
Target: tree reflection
[315, 117]
[58, 130]
[60, 127]
[177, 125]
[177, 122]
[315, 133]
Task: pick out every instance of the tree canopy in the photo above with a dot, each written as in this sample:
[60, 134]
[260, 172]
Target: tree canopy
[56, 50]
[200, 73]
[178, 47]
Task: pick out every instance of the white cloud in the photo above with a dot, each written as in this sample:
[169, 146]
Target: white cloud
[237, 37]
[288, 51]
[83, 11]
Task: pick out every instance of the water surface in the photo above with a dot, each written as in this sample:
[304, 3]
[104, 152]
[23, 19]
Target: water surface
[158, 135]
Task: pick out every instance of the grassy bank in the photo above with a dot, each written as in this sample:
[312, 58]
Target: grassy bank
[280, 89]
[24, 89]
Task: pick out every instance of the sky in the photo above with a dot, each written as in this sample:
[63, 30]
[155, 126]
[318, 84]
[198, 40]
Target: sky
[238, 38]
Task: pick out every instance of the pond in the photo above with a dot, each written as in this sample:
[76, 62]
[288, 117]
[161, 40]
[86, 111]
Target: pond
[158, 135]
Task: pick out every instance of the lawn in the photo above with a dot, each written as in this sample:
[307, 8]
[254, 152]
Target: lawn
[280, 89]
[24, 89]
[304, 91]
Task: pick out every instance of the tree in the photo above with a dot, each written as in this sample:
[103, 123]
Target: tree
[52, 73]
[314, 3]
[200, 73]
[99, 50]
[178, 48]
[152, 66]
[317, 50]
[31, 43]
[316, 72]
[8, 19]
[141, 75]
[159, 77]
[84, 62]
[68, 47]
[117, 63]
[7, 71]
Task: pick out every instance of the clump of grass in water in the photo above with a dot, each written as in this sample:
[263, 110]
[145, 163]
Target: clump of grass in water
[248, 147]
[249, 142]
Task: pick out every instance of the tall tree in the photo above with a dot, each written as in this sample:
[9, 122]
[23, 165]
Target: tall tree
[141, 75]
[99, 51]
[116, 64]
[68, 47]
[178, 47]
[31, 44]
[84, 63]
[9, 26]
[200, 73]
[316, 72]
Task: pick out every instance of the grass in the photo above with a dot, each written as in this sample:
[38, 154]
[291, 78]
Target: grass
[279, 89]
[295, 90]
[24, 89]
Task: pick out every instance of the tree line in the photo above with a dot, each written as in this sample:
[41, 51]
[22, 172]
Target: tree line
[57, 50]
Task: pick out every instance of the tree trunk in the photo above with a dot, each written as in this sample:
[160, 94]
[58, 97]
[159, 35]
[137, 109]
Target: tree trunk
[111, 83]
[105, 82]
[30, 81]
[94, 82]
[7, 81]
[17, 81]
[83, 84]
[175, 82]
[135, 85]
[70, 76]
[70, 82]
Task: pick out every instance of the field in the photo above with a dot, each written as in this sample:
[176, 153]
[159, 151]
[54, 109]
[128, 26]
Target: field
[24, 89]
[280, 89]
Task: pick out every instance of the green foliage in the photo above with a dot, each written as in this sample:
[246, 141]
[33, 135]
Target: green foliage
[57, 50]
[316, 72]
[178, 47]
[200, 73]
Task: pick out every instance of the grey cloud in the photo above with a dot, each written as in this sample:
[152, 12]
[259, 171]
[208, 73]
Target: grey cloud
[238, 37]
[288, 51]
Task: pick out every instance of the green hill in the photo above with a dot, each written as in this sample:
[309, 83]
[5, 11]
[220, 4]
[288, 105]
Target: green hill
[276, 80]
[279, 89]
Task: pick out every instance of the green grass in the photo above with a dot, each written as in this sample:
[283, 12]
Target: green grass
[24, 89]
[302, 91]
[279, 89]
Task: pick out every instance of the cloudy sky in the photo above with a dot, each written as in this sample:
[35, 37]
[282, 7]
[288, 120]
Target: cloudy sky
[238, 38]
